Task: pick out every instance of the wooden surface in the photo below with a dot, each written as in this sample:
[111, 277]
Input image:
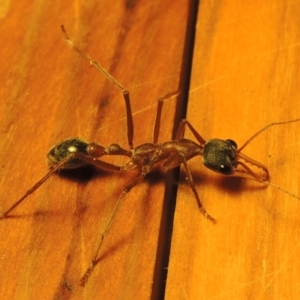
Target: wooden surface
[49, 93]
[245, 75]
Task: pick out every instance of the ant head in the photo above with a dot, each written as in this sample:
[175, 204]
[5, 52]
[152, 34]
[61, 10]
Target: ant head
[220, 156]
[65, 148]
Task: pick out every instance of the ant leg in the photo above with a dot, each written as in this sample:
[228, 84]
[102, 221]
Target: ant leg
[96, 162]
[76, 155]
[126, 190]
[157, 120]
[181, 130]
[158, 115]
[36, 186]
[130, 126]
[192, 185]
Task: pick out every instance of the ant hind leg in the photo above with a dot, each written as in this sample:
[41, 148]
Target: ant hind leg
[126, 190]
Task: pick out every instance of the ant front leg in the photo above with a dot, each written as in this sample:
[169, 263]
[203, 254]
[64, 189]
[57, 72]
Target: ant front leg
[192, 185]
[181, 130]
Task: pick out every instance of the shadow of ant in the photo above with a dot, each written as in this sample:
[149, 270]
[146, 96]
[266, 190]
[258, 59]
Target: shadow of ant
[237, 185]
[233, 184]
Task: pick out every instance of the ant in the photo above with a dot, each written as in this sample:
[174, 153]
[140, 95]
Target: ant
[222, 156]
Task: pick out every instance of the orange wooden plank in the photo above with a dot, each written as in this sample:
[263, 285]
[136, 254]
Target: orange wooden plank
[245, 75]
[49, 93]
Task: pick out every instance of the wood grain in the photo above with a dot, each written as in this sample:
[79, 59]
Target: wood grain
[49, 93]
[245, 75]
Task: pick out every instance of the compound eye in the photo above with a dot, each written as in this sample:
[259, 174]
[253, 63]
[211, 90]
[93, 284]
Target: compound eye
[232, 143]
[225, 169]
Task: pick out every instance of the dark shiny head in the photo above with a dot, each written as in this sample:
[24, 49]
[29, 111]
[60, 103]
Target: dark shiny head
[220, 156]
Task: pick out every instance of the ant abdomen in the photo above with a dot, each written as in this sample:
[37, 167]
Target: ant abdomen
[65, 148]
